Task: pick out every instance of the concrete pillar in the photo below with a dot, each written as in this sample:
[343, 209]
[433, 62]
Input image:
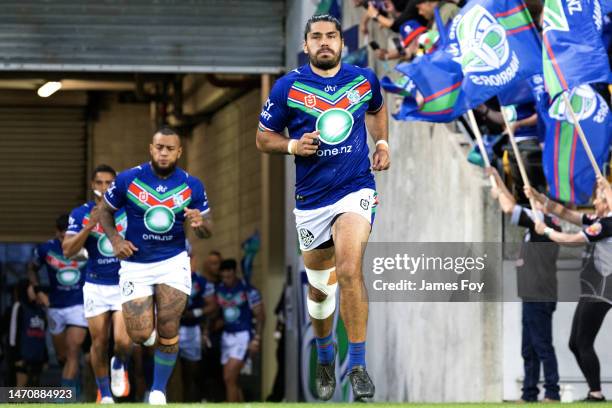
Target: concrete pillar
[272, 246]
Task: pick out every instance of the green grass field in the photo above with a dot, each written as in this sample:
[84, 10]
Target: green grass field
[345, 405]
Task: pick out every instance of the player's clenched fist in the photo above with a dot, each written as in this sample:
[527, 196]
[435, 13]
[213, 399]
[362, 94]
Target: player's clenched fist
[381, 159]
[194, 217]
[307, 145]
[123, 248]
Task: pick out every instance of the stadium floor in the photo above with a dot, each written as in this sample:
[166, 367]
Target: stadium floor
[343, 405]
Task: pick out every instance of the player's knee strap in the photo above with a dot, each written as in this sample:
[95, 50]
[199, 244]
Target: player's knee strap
[168, 342]
[324, 281]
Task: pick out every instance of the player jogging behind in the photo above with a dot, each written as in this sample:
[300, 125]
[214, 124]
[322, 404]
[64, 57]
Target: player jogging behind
[155, 275]
[67, 323]
[101, 294]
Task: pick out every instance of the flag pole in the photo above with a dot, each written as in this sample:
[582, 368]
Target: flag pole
[481, 146]
[583, 138]
[519, 159]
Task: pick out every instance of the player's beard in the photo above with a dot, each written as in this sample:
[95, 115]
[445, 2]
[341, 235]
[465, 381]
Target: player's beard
[163, 171]
[325, 64]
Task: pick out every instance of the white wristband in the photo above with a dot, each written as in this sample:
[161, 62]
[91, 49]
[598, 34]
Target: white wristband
[382, 142]
[547, 232]
[291, 146]
[197, 312]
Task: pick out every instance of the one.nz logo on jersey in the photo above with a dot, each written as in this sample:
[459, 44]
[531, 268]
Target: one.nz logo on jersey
[159, 219]
[335, 125]
[68, 277]
[105, 247]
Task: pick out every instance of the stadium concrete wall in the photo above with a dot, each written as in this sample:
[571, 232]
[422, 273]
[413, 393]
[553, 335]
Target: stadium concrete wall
[120, 135]
[434, 352]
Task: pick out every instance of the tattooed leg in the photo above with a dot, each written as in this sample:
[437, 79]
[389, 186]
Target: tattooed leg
[138, 317]
[170, 304]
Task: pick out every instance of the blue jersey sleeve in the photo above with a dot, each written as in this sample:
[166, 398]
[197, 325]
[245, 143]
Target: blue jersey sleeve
[377, 101]
[199, 200]
[254, 297]
[75, 221]
[275, 112]
[116, 194]
[39, 254]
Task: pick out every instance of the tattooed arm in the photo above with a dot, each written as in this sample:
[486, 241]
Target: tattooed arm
[122, 248]
[201, 223]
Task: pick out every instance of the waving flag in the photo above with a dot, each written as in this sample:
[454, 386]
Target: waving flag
[567, 168]
[438, 79]
[496, 43]
[573, 52]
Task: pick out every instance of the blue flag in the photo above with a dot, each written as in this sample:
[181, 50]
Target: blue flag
[573, 52]
[496, 43]
[568, 171]
[521, 92]
[438, 81]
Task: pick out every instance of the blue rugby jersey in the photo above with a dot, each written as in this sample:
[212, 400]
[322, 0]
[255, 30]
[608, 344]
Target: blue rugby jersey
[155, 209]
[66, 277]
[236, 303]
[303, 102]
[102, 265]
[200, 289]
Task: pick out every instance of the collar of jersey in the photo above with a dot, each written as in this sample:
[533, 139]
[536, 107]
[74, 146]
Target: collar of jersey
[326, 79]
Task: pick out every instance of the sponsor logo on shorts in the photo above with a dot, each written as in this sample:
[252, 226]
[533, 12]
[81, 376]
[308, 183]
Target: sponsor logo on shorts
[306, 237]
[365, 204]
[52, 323]
[89, 305]
[127, 288]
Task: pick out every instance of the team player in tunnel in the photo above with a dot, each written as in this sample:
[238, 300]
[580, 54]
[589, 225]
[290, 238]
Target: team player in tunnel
[155, 274]
[326, 106]
[67, 323]
[101, 294]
